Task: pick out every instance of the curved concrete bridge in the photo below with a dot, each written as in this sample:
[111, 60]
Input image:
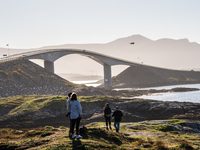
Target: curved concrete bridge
[51, 55]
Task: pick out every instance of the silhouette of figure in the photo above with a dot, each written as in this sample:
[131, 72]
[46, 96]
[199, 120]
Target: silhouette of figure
[107, 115]
[75, 115]
[117, 118]
[69, 111]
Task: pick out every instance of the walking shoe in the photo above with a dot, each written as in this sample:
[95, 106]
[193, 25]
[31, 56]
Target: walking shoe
[73, 136]
[107, 128]
[79, 137]
[110, 128]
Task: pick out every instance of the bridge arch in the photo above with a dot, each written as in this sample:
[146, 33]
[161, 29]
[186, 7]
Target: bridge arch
[49, 56]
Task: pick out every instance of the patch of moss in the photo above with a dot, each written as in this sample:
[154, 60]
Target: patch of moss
[45, 133]
[3, 72]
[176, 121]
[164, 128]
[49, 127]
[41, 75]
[16, 73]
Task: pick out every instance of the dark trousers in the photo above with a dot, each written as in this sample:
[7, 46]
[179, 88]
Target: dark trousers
[73, 122]
[70, 125]
[107, 121]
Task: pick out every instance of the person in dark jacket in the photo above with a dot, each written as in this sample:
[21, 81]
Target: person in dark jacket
[107, 115]
[117, 118]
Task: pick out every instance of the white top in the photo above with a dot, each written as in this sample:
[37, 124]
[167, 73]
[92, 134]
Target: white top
[76, 109]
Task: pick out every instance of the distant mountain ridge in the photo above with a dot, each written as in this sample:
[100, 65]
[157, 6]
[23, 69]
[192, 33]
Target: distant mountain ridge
[165, 53]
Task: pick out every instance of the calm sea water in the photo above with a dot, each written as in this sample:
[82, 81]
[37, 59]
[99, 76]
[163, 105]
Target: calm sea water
[191, 96]
[88, 83]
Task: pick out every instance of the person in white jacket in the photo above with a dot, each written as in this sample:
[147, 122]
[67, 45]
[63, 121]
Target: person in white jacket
[75, 115]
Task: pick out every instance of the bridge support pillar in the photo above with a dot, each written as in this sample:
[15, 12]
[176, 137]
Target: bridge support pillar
[107, 76]
[48, 65]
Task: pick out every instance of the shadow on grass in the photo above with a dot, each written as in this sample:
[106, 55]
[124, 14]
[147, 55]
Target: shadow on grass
[99, 133]
[77, 144]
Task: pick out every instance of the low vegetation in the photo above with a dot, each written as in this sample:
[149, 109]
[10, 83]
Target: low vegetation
[41, 75]
[22, 104]
[139, 136]
[16, 73]
[3, 72]
[176, 121]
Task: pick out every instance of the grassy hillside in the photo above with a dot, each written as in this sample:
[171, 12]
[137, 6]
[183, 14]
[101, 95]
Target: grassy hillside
[33, 111]
[26, 104]
[147, 76]
[132, 136]
[168, 134]
[22, 77]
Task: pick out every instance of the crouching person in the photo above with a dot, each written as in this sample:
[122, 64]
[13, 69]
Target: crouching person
[117, 118]
[75, 115]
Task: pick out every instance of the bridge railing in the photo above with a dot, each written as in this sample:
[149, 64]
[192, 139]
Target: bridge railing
[30, 53]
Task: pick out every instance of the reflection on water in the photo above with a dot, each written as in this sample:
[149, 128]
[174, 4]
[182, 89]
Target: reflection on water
[84, 82]
[88, 83]
[93, 84]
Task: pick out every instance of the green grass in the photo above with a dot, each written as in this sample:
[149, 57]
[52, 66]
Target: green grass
[49, 127]
[16, 73]
[176, 121]
[97, 98]
[3, 72]
[41, 75]
[96, 137]
[164, 128]
[24, 104]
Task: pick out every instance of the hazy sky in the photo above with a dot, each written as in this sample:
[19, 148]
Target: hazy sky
[37, 23]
